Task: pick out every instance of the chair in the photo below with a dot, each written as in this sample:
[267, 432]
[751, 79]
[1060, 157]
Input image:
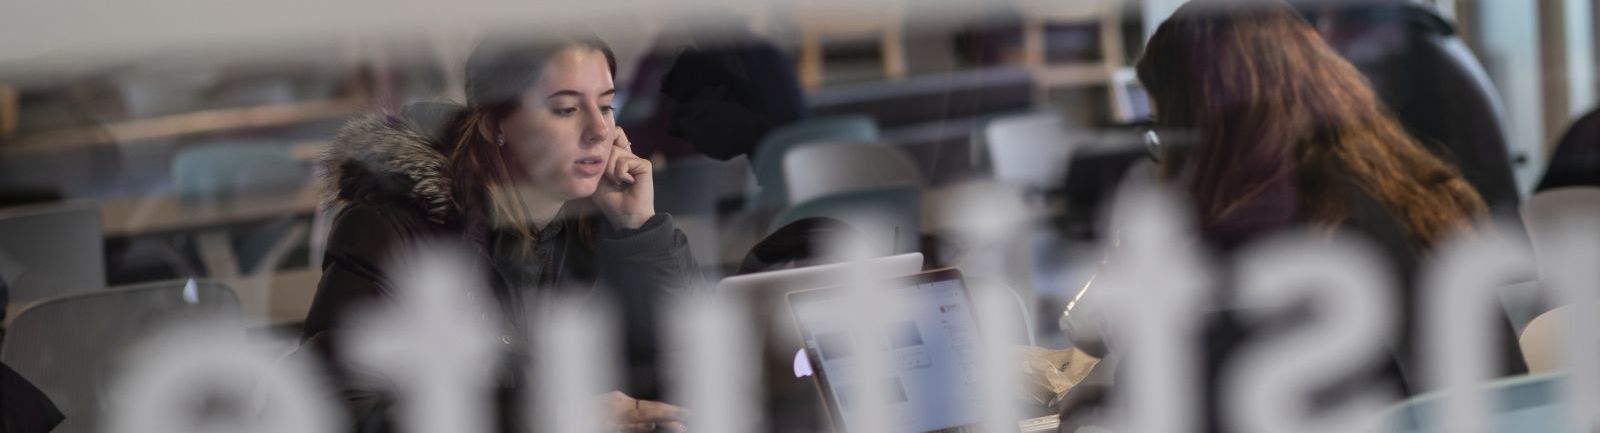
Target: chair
[693, 185]
[1427, 75]
[220, 173]
[69, 346]
[1541, 341]
[1526, 404]
[1543, 213]
[690, 189]
[1029, 150]
[768, 163]
[889, 217]
[52, 250]
[1544, 216]
[821, 169]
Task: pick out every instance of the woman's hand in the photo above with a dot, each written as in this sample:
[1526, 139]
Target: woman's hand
[626, 195]
[628, 414]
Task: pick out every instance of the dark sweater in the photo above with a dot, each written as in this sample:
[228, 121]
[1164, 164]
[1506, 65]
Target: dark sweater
[1273, 211]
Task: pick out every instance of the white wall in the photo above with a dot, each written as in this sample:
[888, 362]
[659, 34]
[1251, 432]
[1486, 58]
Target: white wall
[1578, 15]
[1156, 11]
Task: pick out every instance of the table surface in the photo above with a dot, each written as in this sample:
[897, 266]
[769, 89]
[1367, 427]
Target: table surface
[141, 215]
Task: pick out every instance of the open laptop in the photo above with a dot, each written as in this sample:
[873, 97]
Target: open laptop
[763, 293]
[792, 397]
[930, 354]
[781, 282]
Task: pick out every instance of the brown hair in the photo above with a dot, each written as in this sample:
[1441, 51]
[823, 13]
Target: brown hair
[499, 70]
[1266, 100]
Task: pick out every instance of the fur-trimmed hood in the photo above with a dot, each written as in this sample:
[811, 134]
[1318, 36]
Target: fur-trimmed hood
[380, 158]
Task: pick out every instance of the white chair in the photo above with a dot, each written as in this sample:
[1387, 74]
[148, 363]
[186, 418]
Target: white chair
[814, 170]
[1541, 342]
[1560, 214]
[1546, 213]
[874, 187]
[1030, 150]
[690, 189]
[693, 185]
[889, 219]
[52, 250]
[770, 153]
[1547, 216]
[69, 346]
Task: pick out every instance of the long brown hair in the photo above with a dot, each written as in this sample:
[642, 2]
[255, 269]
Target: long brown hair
[499, 70]
[1266, 100]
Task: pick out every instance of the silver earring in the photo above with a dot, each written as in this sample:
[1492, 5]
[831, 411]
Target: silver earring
[500, 140]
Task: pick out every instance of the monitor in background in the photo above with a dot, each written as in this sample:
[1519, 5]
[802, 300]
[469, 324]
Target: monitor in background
[1129, 96]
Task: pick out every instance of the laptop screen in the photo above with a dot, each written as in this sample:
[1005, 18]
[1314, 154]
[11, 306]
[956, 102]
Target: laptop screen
[930, 353]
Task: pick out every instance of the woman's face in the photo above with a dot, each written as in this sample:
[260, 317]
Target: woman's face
[560, 135]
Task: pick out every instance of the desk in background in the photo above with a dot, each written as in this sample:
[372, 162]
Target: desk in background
[168, 213]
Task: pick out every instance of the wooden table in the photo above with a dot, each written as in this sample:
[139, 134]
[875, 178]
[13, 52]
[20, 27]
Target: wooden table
[186, 124]
[143, 215]
[208, 222]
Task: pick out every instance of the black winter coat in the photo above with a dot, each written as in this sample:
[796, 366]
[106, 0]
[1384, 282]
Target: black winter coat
[388, 176]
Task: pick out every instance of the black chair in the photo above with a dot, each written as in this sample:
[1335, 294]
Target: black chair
[1432, 82]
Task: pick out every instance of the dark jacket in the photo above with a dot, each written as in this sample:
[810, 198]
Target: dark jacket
[1275, 210]
[26, 409]
[389, 178]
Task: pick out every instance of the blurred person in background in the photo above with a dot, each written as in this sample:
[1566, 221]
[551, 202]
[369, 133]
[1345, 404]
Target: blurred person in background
[1287, 133]
[1576, 160]
[718, 96]
[533, 176]
[1281, 133]
[26, 408]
